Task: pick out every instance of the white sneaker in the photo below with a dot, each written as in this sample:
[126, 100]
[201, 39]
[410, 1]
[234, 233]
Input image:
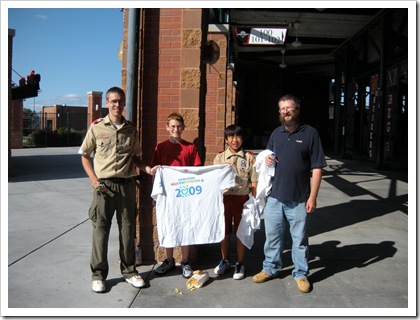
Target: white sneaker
[222, 267]
[98, 286]
[136, 281]
[239, 273]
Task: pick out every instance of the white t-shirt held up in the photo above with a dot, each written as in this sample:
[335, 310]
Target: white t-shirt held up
[189, 204]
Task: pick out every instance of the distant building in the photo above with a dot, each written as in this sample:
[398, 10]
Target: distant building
[63, 116]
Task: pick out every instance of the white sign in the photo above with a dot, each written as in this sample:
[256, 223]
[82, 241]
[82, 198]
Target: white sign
[267, 36]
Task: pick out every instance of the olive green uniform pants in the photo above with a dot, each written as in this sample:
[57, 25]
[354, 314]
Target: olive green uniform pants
[101, 212]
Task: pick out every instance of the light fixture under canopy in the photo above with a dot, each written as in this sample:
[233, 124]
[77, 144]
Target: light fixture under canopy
[297, 43]
[283, 64]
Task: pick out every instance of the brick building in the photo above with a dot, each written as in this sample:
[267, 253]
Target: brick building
[15, 107]
[63, 116]
[74, 117]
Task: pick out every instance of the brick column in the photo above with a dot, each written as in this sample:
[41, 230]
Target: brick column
[173, 79]
[190, 76]
[220, 95]
[170, 82]
[94, 106]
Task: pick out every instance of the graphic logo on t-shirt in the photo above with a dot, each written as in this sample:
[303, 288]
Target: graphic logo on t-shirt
[186, 187]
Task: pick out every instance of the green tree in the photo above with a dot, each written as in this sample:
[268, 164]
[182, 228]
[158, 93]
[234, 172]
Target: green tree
[28, 112]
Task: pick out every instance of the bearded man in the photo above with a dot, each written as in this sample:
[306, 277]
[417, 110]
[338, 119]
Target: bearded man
[299, 155]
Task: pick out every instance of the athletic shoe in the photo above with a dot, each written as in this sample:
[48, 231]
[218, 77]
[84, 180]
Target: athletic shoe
[98, 286]
[223, 266]
[136, 281]
[239, 272]
[187, 272]
[166, 266]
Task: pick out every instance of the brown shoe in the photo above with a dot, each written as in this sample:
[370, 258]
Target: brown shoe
[262, 277]
[303, 285]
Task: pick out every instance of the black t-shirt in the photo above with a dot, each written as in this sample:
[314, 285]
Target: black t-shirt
[297, 153]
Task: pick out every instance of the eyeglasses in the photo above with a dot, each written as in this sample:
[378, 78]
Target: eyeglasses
[115, 102]
[284, 109]
[176, 127]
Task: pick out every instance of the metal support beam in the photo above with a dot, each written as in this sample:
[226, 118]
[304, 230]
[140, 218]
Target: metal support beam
[132, 63]
[382, 86]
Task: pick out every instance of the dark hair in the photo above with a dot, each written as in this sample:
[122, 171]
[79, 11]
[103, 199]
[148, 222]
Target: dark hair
[116, 90]
[233, 130]
[295, 100]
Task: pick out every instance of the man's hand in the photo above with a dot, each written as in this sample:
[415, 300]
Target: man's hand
[96, 184]
[310, 205]
[270, 160]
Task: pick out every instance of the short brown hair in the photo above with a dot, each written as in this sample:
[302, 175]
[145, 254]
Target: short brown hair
[295, 100]
[116, 90]
[176, 116]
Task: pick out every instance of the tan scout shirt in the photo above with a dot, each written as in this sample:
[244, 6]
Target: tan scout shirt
[113, 148]
[243, 163]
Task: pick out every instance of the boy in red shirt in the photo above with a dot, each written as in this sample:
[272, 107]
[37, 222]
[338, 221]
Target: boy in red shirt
[176, 152]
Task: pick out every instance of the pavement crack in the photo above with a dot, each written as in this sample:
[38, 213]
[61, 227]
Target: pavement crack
[48, 242]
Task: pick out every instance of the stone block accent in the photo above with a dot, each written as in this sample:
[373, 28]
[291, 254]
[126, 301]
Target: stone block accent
[191, 118]
[221, 109]
[222, 61]
[190, 58]
[222, 43]
[190, 78]
[220, 141]
[191, 18]
[220, 125]
[189, 98]
[191, 38]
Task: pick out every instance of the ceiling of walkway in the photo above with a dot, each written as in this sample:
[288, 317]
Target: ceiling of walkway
[320, 31]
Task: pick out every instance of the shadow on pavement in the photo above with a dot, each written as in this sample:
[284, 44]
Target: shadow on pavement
[46, 167]
[333, 259]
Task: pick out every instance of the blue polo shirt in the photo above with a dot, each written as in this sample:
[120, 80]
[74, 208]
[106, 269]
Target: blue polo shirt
[297, 153]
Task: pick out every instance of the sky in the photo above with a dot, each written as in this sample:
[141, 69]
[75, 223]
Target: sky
[74, 50]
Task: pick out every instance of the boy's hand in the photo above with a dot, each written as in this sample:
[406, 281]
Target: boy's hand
[153, 170]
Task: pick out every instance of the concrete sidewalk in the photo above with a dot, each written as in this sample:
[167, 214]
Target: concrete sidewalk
[360, 256]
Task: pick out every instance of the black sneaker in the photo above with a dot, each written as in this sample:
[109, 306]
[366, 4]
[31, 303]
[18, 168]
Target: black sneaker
[166, 266]
[187, 271]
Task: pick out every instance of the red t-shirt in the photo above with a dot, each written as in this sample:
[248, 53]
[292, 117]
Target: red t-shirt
[182, 153]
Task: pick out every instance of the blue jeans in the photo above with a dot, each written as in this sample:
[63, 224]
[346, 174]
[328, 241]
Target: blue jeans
[275, 215]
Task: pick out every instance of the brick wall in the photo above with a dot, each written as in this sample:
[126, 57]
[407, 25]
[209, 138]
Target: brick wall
[16, 124]
[219, 99]
[63, 116]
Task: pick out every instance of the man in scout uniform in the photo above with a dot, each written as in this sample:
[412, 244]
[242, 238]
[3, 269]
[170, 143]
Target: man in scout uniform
[234, 198]
[115, 143]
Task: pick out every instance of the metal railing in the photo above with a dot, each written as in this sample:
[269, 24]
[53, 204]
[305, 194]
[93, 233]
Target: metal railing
[53, 129]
